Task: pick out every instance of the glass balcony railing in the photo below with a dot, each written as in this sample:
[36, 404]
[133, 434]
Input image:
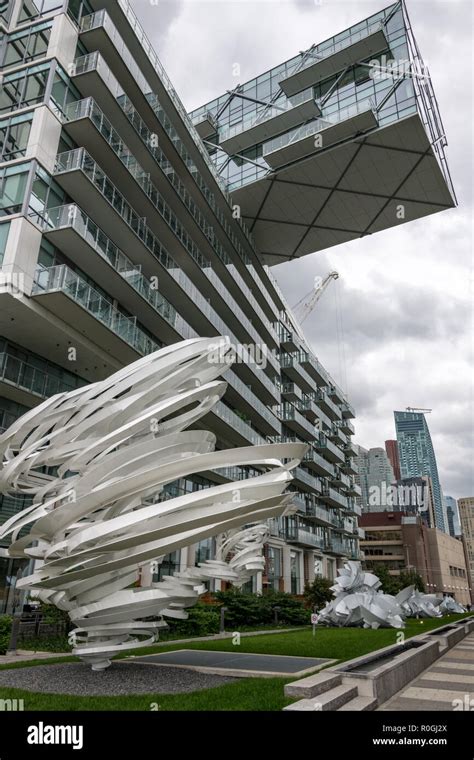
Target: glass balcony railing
[301, 536]
[62, 278]
[173, 178]
[89, 108]
[265, 114]
[237, 423]
[101, 19]
[71, 216]
[79, 159]
[328, 48]
[34, 380]
[313, 127]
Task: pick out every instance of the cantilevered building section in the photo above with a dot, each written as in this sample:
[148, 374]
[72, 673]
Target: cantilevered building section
[335, 143]
[117, 237]
[417, 457]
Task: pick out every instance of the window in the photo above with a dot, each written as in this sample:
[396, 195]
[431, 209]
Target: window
[63, 91]
[27, 45]
[34, 8]
[4, 230]
[23, 88]
[13, 180]
[6, 7]
[14, 133]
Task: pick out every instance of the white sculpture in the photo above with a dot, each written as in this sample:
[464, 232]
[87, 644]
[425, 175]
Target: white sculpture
[358, 601]
[416, 604]
[95, 460]
[449, 606]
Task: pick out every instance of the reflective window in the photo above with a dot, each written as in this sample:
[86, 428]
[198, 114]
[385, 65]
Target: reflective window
[23, 88]
[4, 230]
[34, 8]
[6, 7]
[14, 133]
[13, 181]
[27, 45]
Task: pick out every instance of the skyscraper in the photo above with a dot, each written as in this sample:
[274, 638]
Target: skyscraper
[391, 447]
[452, 514]
[375, 478]
[417, 456]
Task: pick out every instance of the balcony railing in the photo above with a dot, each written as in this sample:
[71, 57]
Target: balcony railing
[71, 216]
[305, 537]
[33, 380]
[62, 278]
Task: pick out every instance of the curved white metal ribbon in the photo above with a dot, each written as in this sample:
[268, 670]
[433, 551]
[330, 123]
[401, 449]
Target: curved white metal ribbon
[95, 461]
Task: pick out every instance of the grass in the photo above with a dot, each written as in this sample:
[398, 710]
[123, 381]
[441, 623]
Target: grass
[254, 694]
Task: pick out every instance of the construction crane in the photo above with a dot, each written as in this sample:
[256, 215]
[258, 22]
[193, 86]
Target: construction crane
[417, 409]
[305, 305]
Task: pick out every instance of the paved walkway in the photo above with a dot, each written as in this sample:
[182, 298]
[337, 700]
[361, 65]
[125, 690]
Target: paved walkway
[448, 679]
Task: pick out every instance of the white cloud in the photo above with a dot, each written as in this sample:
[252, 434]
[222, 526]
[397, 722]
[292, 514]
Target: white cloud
[405, 294]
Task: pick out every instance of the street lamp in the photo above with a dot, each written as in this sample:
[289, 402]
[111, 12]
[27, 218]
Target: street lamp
[276, 610]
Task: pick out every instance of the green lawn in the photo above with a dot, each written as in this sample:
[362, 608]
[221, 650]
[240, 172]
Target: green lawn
[246, 693]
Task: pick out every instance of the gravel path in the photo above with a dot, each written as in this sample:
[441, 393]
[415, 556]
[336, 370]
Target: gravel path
[120, 679]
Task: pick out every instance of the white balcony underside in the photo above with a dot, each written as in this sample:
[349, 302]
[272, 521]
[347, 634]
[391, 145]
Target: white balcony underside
[345, 192]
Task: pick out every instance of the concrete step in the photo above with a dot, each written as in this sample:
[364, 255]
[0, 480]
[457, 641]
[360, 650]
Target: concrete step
[330, 700]
[309, 687]
[359, 704]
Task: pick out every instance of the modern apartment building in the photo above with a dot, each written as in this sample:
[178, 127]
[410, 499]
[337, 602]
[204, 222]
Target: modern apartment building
[466, 514]
[121, 230]
[391, 447]
[417, 457]
[402, 542]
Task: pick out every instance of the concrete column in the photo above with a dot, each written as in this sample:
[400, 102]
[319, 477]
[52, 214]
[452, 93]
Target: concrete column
[44, 138]
[183, 559]
[63, 40]
[286, 553]
[259, 583]
[300, 586]
[21, 254]
[309, 578]
[191, 555]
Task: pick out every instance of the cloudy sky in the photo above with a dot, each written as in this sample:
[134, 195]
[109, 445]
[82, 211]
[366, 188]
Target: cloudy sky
[404, 297]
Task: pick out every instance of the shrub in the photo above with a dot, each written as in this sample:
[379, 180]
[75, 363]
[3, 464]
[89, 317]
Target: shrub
[247, 610]
[203, 620]
[5, 632]
[318, 593]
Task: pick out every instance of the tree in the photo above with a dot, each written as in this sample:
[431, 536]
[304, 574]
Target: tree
[318, 593]
[390, 583]
[412, 578]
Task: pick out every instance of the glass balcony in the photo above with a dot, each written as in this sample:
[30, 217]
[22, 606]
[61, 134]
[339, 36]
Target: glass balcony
[316, 462]
[71, 216]
[39, 382]
[223, 412]
[269, 121]
[300, 142]
[304, 537]
[303, 476]
[333, 497]
[62, 278]
[332, 452]
[332, 56]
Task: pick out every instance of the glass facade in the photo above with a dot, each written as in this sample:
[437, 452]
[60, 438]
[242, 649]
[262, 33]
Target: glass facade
[417, 456]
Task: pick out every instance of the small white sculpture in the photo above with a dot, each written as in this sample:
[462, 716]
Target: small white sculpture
[358, 601]
[95, 461]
